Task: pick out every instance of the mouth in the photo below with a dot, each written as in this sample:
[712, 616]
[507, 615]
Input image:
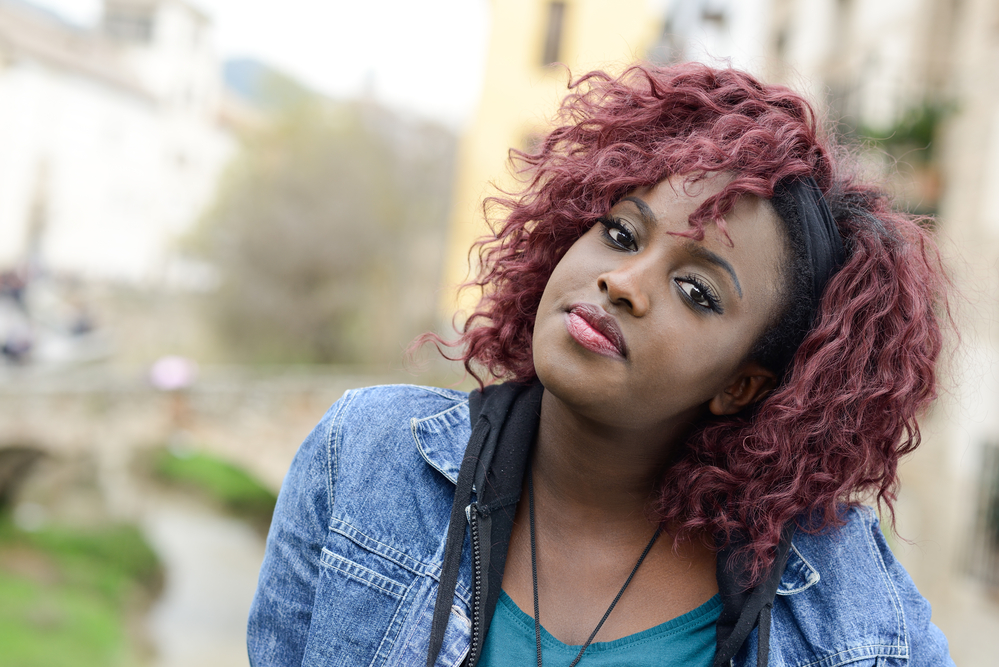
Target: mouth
[595, 330]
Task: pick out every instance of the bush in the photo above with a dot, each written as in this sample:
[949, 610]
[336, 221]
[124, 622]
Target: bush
[217, 480]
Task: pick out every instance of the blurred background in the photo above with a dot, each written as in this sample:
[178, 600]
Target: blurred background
[217, 215]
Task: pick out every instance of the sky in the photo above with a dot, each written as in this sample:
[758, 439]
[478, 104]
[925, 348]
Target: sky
[426, 56]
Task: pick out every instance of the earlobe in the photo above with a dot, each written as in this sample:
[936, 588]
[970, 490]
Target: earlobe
[751, 384]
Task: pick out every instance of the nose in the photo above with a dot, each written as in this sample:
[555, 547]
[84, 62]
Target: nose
[624, 286]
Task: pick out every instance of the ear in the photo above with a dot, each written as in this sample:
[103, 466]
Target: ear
[751, 384]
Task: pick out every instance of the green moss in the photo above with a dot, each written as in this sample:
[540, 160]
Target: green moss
[69, 601]
[218, 480]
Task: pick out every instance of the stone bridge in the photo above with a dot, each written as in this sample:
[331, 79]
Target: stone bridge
[253, 418]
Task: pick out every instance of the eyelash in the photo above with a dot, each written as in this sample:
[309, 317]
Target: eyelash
[614, 225]
[714, 304]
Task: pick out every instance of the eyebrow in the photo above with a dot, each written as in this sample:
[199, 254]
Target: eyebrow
[694, 249]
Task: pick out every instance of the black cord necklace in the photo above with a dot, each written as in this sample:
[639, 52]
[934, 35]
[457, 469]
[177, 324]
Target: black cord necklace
[534, 576]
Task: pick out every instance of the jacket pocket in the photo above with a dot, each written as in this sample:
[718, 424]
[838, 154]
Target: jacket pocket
[355, 614]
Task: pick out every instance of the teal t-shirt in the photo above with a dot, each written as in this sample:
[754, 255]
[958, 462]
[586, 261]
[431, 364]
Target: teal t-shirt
[687, 640]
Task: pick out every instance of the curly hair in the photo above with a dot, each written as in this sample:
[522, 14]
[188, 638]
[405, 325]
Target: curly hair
[857, 375]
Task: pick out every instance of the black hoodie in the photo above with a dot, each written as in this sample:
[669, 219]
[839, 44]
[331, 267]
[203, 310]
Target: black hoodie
[504, 425]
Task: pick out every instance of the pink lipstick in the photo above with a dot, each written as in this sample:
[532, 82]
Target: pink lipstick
[595, 330]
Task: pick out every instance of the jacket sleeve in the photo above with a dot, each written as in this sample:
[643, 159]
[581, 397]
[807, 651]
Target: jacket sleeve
[281, 612]
[927, 644]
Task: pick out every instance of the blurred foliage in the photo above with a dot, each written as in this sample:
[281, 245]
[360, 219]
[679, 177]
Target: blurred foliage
[914, 135]
[218, 481]
[67, 597]
[328, 234]
[263, 86]
[908, 151]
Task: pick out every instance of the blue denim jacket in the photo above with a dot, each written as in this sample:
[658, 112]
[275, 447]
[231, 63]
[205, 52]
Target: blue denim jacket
[355, 550]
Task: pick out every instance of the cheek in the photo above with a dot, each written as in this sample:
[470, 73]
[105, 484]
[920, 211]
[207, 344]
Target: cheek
[568, 282]
[697, 363]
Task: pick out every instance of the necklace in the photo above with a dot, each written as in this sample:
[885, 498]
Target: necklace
[534, 576]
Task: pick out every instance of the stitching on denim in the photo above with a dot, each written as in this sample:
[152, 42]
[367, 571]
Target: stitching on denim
[414, 626]
[896, 601]
[858, 653]
[362, 574]
[389, 553]
[811, 568]
[424, 611]
[393, 555]
[441, 392]
[461, 656]
[460, 612]
[414, 425]
[443, 412]
[392, 623]
[407, 641]
[333, 448]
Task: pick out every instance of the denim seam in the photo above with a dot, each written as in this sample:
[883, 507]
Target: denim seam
[896, 602]
[438, 415]
[333, 447]
[461, 656]
[414, 626]
[389, 553]
[414, 426]
[425, 610]
[370, 578]
[811, 568]
[440, 392]
[391, 631]
[855, 653]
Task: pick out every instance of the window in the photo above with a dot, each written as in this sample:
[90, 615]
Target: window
[553, 36]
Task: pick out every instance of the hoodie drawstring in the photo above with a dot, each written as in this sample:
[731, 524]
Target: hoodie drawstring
[763, 637]
[455, 541]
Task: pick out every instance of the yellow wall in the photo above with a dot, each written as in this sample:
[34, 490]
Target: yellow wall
[520, 95]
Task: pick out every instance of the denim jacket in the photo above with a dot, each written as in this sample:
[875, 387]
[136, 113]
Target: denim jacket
[355, 552]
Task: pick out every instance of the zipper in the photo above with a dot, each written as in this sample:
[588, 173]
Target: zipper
[473, 523]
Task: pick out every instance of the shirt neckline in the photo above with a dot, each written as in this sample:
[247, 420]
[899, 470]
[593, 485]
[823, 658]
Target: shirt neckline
[673, 626]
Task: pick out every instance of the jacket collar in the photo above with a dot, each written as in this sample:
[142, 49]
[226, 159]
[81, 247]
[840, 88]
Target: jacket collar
[441, 439]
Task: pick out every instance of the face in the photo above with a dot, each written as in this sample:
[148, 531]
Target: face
[642, 329]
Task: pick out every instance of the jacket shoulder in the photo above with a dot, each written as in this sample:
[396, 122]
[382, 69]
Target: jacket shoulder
[843, 598]
[388, 426]
[410, 398]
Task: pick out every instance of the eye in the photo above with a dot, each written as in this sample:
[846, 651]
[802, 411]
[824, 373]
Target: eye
[699, 294]
[618, 234]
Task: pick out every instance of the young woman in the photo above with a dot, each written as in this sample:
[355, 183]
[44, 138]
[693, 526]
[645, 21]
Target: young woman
[715, 342]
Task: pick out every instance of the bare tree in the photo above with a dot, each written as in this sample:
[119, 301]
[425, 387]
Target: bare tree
[328, 234]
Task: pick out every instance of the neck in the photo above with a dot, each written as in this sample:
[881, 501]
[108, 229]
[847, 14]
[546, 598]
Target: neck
[596, 474]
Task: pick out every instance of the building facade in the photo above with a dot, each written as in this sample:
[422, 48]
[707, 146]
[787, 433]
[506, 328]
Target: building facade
[534, 46]
[110, 143]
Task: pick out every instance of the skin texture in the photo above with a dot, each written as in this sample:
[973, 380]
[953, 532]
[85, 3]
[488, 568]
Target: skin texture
[610, 422]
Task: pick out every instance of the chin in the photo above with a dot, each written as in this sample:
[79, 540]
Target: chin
[582, 390]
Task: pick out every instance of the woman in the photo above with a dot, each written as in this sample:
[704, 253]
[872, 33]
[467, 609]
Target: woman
[715, 341]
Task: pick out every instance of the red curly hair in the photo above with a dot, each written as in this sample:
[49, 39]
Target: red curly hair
[845, 413]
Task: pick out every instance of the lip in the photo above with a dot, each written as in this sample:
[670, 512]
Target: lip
[594, 329]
